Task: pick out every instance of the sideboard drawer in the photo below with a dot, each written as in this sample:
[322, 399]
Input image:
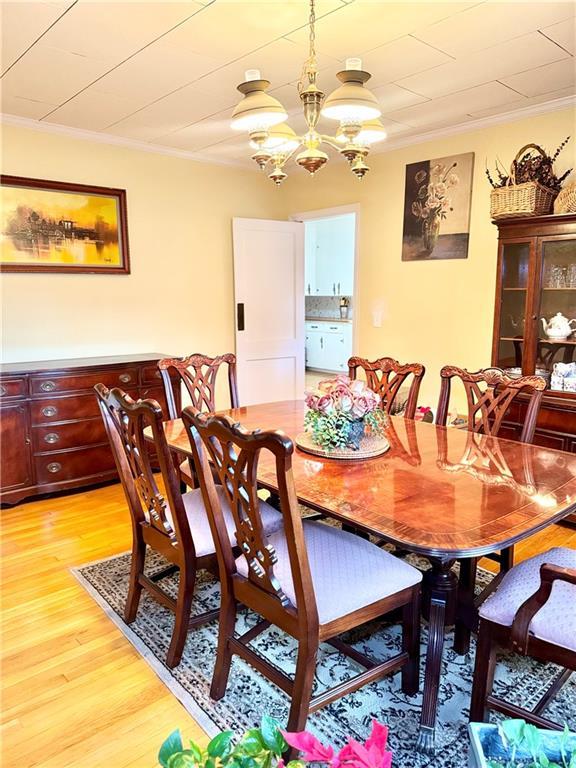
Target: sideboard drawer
[57, 437]
[69, 465]
[47, 384]
[71, 408]
[151, 375]
[64, 409]
[13, 387]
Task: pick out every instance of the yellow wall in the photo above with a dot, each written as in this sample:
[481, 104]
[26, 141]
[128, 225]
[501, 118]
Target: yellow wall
[435, 312]
[179, 296]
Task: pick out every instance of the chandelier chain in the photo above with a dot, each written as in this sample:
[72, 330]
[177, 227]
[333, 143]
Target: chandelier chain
[310, 69]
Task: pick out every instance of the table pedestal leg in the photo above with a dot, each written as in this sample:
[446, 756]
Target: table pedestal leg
[440, 588]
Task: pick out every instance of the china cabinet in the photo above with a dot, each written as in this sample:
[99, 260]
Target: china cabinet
[535, 301]
[51, 431]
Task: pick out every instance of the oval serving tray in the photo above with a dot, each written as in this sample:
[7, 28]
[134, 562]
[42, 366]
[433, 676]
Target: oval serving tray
[370, 446]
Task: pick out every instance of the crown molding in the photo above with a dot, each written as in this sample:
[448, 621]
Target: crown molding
[109, 138]
[390, 145]
[556, 105]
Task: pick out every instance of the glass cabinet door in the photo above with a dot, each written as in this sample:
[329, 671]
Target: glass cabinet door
[515, 264]
[556, 341]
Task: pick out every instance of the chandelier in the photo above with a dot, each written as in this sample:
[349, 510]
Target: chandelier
[351, 104]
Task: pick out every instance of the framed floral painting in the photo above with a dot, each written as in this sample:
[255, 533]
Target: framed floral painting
[54, 226]
[437, 208]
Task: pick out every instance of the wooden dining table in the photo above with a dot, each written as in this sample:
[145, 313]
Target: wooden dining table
[443, 493]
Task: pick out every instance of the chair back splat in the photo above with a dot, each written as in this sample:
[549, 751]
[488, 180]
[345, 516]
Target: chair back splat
[386, 377]
[489, 394]
[125, 421]
[198, 373]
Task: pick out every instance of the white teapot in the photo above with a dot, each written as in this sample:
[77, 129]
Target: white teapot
[558, 328]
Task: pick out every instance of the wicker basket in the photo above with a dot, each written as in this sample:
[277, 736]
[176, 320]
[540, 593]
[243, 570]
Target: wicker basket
[528, 199]
[566, 200]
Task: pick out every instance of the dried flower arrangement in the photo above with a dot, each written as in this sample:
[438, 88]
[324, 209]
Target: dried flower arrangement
[533, 165]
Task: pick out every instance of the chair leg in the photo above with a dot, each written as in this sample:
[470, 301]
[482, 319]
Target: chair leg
[134, 586]
[183, 609]
[303, 681]
[466, 584]
[484, 669]
[411, 644]
[226, 626]
[506, 559]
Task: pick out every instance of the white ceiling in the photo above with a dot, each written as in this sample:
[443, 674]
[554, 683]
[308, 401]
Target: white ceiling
[165, 72]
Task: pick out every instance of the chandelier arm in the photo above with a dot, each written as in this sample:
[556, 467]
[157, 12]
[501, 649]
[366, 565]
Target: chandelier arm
[332, 141]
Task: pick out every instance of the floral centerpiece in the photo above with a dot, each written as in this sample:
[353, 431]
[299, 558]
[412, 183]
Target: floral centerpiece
[264, 747]
[433, 204]
[340, 410]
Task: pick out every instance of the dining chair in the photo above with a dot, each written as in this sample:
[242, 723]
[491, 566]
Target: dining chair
[167, 522]
[387, 377]
[198, 373]
[489, 395]
[532, 613]
[311, 580]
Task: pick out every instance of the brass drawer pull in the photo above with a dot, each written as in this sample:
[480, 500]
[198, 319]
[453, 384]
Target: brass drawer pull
[125, 378]
[50, 410]
[54, 467]
[3, 390]
[51, 437]
[48, 386]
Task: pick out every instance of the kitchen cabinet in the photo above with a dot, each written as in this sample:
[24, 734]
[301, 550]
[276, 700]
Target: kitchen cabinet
[328, 345]
[329, 256]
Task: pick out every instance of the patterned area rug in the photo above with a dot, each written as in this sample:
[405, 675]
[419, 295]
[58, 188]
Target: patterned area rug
[249, 694]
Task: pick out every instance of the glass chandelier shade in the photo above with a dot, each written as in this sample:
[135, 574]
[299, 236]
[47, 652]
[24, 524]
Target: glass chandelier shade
[352, 104]
[257, 110]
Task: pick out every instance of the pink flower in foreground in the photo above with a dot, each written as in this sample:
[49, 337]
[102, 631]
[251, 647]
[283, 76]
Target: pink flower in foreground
[312, 750]
[372, 754]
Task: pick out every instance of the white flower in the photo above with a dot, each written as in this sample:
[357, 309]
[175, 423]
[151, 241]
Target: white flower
[453, 180]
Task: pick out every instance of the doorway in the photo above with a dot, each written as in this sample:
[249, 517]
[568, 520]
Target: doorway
[330, 256]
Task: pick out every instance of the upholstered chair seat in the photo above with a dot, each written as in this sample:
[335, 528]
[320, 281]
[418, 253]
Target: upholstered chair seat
[348, 572]
[200, 525]
[555, 622]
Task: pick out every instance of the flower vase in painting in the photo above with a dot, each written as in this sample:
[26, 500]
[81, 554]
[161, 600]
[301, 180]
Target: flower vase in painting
[437, 208]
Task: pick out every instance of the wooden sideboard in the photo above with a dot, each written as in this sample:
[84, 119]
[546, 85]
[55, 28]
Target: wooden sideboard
[52, 437]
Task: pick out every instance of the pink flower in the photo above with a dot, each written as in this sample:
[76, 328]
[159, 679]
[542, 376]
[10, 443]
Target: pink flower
[325, 404]
[357, 387]
[361, 406]
[373, 754]
[345, 402]
[312, 749]
[312, 397]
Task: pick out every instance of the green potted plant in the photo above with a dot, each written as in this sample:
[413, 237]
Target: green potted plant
[518, 744]
[263, 748]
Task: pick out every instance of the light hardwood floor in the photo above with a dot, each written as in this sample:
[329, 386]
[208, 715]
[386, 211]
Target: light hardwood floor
[74, 691]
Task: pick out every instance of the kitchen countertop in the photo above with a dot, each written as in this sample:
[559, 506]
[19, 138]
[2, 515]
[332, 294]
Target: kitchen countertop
[327, 320]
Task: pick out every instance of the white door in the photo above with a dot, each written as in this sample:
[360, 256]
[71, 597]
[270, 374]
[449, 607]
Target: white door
[269, 296]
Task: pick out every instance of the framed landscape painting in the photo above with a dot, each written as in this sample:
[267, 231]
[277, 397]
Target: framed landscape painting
[53, 226]
[437, 200]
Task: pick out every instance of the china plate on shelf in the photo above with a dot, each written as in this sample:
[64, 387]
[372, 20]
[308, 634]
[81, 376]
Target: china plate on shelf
[370, 446]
